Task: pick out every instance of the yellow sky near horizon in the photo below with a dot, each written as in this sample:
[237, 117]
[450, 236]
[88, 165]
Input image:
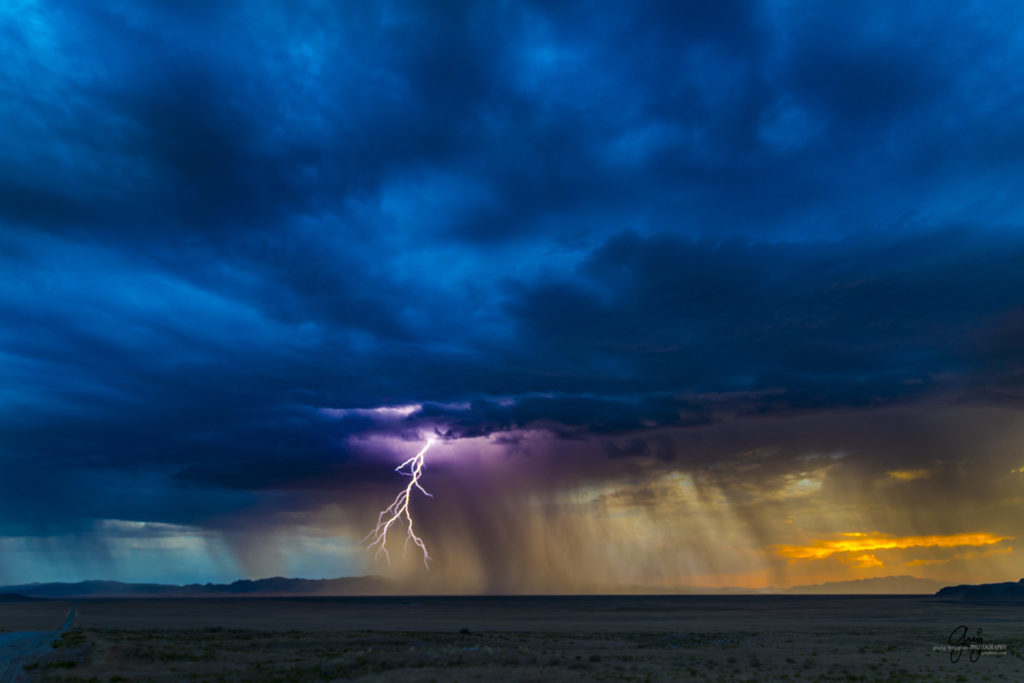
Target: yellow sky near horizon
[737, 509]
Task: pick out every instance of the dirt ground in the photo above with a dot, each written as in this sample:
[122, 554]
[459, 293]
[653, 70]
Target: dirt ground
[761, 638]
[32, 616]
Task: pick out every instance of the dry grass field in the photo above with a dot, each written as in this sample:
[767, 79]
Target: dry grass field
[761, 638]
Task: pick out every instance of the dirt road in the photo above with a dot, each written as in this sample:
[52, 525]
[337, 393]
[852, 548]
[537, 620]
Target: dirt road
[21, 647]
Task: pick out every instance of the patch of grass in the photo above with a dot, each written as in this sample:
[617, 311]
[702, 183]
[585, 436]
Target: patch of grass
[63, 664]
[69, 639]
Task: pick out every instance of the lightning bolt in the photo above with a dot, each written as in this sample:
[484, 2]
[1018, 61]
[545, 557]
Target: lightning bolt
[399, 508]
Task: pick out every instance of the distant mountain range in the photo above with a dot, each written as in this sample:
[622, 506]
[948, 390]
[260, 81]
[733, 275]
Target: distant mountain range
[882, 585]
[273, 587]
[986, 591]
[376, 585]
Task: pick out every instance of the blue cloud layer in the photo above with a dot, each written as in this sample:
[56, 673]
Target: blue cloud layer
[217, 221]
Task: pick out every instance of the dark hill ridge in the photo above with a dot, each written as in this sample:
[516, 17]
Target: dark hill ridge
[273, 587]
[375, 585]
[986, 591]
[18, 597]
[883, 585]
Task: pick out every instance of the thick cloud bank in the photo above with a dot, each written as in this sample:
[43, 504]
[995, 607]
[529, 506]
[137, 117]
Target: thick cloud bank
[656, 275]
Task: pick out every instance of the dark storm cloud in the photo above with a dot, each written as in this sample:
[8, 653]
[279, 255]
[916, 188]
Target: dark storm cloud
[850, 322]
[216, 223]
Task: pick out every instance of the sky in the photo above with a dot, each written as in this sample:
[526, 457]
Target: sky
[689, 294]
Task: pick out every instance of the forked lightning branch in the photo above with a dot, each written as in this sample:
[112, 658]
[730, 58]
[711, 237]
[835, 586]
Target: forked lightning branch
[399, 510]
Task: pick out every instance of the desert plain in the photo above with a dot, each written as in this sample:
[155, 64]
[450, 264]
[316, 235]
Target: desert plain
[606, 638]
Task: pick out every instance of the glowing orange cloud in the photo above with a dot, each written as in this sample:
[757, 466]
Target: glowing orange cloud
[862, 543]
[909, 475]
[867, 560]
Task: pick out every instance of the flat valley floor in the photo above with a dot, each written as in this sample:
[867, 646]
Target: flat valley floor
[614, 638]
